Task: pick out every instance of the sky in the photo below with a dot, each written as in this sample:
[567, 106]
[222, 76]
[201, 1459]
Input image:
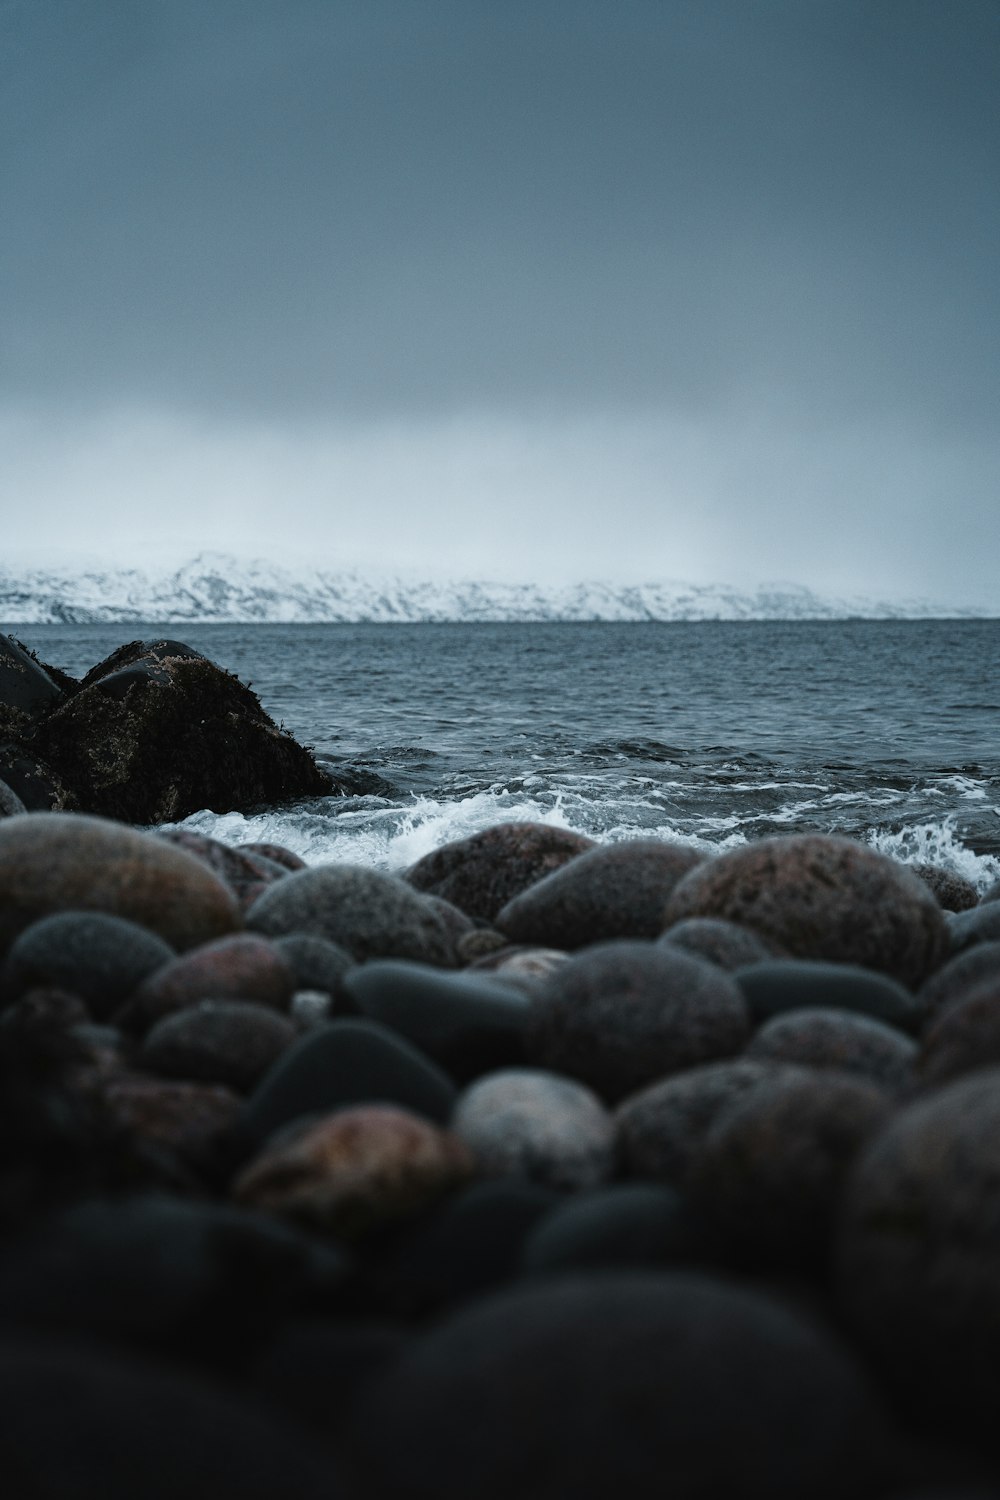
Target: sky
[539, 290]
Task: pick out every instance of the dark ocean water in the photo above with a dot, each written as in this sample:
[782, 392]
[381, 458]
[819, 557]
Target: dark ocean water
[710, 733]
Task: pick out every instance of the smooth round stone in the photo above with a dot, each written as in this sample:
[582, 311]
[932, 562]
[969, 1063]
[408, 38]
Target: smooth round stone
[482, 873]
[952, 983]
[621, 1014]
[371, 914]
[818, 1038]
[822, 897]
[964, 1039]
[248, 874]
[128, 1429]
[311, 1008]
[218, 1041]
[194, 1120]
[477, 945]
[784, 984]
[357, 1170]
[317, 963]
[626, 1224]
[723, 943]
[526, 1123]
[164, 1274]
[627, 1383]
[99, 957]
[346, 1063]
[53, 862]
[769, 1173]
[661, 1128]
[10, 802]
[466, 1245]
[468, 1024]
[981, 925]
[242, 967]
[613, 891]
[276, 853]
[456, 923]
[919, 1274]
[951, 891]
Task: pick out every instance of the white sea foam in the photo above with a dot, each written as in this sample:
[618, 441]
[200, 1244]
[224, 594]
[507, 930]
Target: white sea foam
[937, 844]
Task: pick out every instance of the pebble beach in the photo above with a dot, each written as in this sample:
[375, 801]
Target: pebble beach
[545, 1168]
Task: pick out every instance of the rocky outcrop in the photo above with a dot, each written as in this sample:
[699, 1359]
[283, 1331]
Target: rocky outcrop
[153, 733]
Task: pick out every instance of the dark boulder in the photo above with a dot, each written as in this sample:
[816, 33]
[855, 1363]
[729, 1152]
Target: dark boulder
[156, 732]
[951, 890]
[25, 685]
[482, 873]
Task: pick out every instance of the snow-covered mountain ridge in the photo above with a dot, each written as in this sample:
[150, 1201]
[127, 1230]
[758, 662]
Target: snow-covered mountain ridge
[215, 587]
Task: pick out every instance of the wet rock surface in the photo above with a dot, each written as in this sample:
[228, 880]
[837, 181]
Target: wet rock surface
[822, 897]
[952, 891]
[780, 985]
[218, 1041]
[241, 967]
[723, 943]
[837, 1039]
[615, 891]
[101, 958]
[482, 873]
[523, 1122]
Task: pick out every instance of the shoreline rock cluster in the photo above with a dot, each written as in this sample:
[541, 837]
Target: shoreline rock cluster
[152, 733]
[546, 1169]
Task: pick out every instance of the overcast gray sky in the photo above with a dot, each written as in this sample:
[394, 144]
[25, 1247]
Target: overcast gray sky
[538, 289]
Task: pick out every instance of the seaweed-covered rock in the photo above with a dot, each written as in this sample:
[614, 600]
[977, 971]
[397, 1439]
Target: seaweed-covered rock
[482, 873]
[156, 732]
[822, 897]
[25, 685]
[614, 891]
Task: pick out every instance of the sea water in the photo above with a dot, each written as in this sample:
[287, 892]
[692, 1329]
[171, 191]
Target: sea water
[710, 733]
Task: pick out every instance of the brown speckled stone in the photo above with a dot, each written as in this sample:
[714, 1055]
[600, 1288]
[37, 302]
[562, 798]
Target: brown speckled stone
[919, 1274]
[53, 861]
[524, 1122]
[277, 854]
[964, 1038]
[614, 891]
[355, 1170]
[818, 1038]
[482, 873]
[822, 897]
[193, 1119]
[218, 1041]
[661, 1128]
[247, 873]
[769, 1173]
[242, 967]
[621, 1014]
[952, 892]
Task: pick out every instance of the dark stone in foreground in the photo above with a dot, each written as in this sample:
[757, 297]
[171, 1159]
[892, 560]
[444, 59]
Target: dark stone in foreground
[84, 1423]
[218, 1041]
[962, 974]
[964, 1039]
[822, 897]
[817, 1038]
[627, 1224]
[317, 963]
[614, 891]
[723, 943]
[371, 914]
[241, 967]
[99, 957]
[621, 1014]
[967, 928]
[919, 1272]
[609, 1384]
[482, 873]
[156, 732]
[345, 1063]
[25, 685]
[790, 984]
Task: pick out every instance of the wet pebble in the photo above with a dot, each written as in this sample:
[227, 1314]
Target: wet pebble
[100, 957]
[482, 873]
[624, 1224]
[53, 862]
[951, 891]
[769, 1172]
[317, 963]
[246, 872]
[344, 1063]
[613, 891]
[218, 1041]
[621, 1014]
[965, 1038]
[609, 1384]
[723, 943]
[195, 1120]
[523, 1122]
[370, 914]
[468, 1023]
[241, 967]
[840, 1039]
[822, 897]
[357, 1170]
[781, 985]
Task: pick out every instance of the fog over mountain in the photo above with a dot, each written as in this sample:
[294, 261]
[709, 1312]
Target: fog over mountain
[534, 290]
